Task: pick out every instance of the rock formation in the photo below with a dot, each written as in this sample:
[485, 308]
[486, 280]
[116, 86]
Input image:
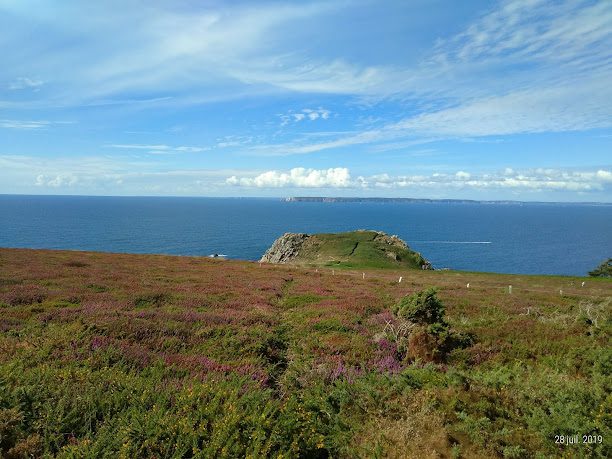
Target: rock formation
[361, 248]
[285, 248]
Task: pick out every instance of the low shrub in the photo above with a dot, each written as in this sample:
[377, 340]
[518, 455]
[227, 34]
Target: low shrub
[426, 335]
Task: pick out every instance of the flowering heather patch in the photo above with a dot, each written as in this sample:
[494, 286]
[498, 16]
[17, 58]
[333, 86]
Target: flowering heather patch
[23, 295]
[182, 356]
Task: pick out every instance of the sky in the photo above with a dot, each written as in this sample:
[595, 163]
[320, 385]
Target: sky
[414, 98]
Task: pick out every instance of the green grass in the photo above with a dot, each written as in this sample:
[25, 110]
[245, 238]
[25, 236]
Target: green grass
[354, 250]
[139, 356]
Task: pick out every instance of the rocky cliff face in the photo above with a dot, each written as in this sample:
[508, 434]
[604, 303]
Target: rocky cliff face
[285, 248]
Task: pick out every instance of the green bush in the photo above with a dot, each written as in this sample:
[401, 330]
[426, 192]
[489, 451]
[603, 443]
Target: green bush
[603, 270]
[431, 339]
[422, 308]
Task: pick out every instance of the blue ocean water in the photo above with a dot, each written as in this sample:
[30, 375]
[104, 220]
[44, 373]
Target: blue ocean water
[568, 239]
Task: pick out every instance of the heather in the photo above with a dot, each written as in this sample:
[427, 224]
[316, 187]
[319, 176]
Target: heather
[111, 355]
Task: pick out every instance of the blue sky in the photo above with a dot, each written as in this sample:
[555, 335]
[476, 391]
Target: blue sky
[421, 98]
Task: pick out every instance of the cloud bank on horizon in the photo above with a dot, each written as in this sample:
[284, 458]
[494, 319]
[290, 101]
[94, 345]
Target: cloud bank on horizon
[487, 100]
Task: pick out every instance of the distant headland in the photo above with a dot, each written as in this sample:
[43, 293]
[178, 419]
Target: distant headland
[432, 201]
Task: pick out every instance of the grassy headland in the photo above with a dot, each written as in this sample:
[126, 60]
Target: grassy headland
[352, 249]
[112, 355]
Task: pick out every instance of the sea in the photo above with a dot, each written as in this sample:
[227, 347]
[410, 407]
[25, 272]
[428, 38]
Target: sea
[520, 238]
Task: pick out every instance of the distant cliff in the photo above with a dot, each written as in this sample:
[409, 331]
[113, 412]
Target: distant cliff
[355, 249]
[432, 201]
[404, 200]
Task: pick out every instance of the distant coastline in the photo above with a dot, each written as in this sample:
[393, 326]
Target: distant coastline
[432, 201]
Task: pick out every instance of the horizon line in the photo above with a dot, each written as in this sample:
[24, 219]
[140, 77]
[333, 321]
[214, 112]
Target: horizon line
[290, 198]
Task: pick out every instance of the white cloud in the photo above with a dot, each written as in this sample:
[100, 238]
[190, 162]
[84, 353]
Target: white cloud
[299, 177]
[25, 83]
[104, 175]
[160, 149]
[21, 124]
[305, 113]
[605, 176]
[554, 109]
[66, 180]
[530, 180]
[533, 30]
[163, 49]
[316, 114]
[172, 49]
[230, 141]
[31, 124]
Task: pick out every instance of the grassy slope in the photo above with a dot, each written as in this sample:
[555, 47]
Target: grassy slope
[159, 356]
[355, 249]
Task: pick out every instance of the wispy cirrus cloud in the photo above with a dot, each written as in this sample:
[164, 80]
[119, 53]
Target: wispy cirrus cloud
[160, 148]
[21, 124]
[25, 83]
[105, 175]
[552, 51]
[230, 75]
[555, 71]
[31, 124]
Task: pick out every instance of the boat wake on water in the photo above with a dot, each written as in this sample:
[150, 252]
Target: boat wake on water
[452, 242]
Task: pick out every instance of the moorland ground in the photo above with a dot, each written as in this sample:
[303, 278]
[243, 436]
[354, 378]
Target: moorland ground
[114, 355]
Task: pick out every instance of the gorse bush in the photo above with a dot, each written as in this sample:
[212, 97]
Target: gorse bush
[430, 338]
[422, 308]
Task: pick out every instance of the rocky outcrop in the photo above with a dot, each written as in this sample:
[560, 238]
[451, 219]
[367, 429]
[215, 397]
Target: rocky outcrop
[390, 240]
[352, 249]
[285, 248]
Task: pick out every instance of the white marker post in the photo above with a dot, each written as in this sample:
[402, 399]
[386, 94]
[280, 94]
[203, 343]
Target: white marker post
[333, 272]
[400, 280]
[363, 275]
[560, 292]
[510, 289]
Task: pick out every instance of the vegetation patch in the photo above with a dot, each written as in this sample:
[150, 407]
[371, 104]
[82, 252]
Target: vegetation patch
[235, 359]
[296, 301]
[151, 300]
[603, 270]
